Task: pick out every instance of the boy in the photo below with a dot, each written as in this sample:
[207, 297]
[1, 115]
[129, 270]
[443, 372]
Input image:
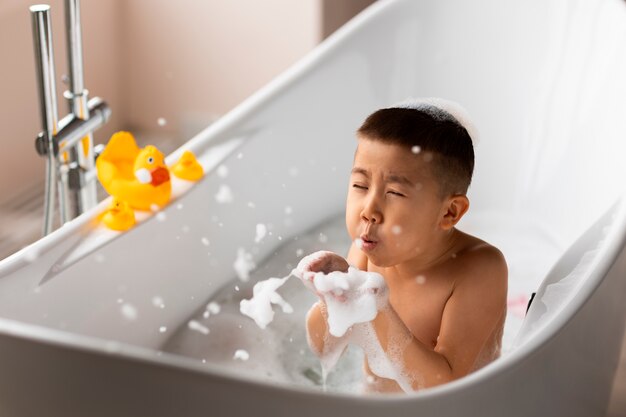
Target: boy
[447, 290]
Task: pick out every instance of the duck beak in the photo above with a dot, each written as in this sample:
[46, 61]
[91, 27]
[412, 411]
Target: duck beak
[159, 176]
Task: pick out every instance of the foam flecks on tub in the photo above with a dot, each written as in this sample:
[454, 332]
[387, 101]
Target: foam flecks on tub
[96, 234]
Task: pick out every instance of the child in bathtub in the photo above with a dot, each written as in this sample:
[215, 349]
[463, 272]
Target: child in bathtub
[446, 289]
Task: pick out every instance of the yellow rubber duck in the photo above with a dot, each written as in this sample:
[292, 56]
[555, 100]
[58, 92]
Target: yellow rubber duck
[188, 168]
[136, 176]
[119, 216]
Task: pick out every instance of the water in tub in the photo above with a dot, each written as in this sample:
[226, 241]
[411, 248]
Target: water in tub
[275, 349]
[279, 352]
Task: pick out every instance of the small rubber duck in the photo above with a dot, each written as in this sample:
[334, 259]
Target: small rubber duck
[136, 176]
[188, 168]
[119, 216]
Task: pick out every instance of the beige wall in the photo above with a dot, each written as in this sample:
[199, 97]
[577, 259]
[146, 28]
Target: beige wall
[20, 166]
[191, 61]
[188, 62]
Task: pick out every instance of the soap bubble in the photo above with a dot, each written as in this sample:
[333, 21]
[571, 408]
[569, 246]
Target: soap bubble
[158, 302]
[236, 287]
[420, 279]
[161, 216]
[161, 121]
[129, 312]
[206, 314]
[162, 329]
[179, 206]
[205, 241]
[358, 242]
[323, 238]
[416, 149]
[224, 195]
[214, 307]
[396, 230]
[185, 229]
[288, 210]
[261, 230]
[299, 252]
[198, 327]
[222, 171]
[240, 155]
[241, 355]
[251, 204]
[243, 265]
[293, 171]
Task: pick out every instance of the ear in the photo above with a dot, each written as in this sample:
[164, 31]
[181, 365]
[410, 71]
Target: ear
[454, 208]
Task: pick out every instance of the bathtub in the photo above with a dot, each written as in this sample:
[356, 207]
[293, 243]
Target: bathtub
[92, 322]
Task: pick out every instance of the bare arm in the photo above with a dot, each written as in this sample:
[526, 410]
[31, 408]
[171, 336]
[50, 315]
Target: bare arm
[471, 314]
[317, 327]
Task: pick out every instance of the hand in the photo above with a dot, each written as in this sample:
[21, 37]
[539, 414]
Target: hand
[328, 262]
[323, 261]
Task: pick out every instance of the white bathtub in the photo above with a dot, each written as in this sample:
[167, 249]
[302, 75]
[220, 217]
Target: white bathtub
[544, 81]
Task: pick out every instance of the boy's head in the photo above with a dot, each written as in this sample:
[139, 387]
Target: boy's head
[411, 172]
[425, 127]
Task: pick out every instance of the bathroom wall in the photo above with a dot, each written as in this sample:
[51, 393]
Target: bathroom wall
[20, 166]
[187, 62]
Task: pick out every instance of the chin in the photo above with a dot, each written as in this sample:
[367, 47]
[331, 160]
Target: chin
[380, 261]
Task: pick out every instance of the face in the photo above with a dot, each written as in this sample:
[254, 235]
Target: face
[393, 205]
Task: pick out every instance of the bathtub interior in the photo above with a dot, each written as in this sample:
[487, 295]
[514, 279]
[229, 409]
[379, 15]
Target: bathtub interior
[539, 183]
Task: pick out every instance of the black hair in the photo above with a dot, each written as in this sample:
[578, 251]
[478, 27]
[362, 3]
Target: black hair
[430, 129]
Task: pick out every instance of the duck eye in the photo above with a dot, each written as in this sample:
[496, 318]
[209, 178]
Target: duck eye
[150, 159]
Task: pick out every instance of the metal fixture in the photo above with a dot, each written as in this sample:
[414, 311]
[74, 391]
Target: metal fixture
[67, 144]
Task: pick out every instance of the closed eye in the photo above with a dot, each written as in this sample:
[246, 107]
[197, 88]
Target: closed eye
[396, 193]
[360, 187]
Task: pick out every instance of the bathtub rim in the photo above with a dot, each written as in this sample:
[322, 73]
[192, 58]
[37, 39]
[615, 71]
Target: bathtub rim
[611, 250]
[607, 256]
[215, 133]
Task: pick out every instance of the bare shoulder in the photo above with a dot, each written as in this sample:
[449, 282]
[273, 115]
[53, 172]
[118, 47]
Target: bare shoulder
[481, 263]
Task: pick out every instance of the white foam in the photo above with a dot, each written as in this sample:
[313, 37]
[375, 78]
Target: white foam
[129, 312]
[224, 195]
[443, 109]
[241, 354]
[198, 327]
[261, 231]
[222, 171]
[352, 300]
[259, 307]
[158, 302]
[214, 307]
[243, 264]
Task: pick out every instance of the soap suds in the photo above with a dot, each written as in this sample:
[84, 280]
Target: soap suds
[351, 301]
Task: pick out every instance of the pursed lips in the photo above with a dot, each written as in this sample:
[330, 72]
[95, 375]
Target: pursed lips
[369, 242]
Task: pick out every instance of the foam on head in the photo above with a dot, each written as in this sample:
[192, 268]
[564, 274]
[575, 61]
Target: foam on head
[443, 110]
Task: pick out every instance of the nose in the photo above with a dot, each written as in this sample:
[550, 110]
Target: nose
[371, 211]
